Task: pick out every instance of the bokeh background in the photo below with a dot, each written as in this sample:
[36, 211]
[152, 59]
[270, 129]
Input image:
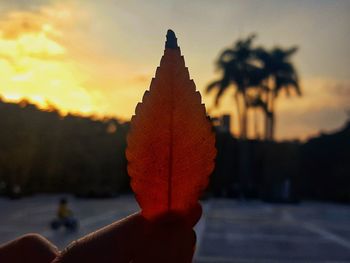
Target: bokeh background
[72, 72]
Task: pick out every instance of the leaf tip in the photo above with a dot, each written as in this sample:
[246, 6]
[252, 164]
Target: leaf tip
[171, 40]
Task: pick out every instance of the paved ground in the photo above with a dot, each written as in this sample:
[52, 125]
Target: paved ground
[269, 233]
[230, 231]
[33, 214]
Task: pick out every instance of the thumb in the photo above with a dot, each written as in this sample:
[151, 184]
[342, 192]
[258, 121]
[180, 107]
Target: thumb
[31, 247]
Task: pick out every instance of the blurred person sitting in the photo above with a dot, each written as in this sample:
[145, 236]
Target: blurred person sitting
[63, 211]
[64, 217]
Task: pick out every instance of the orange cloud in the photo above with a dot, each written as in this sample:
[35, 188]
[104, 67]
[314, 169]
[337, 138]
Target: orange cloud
[18, 23]
[50, 57]
[35, 65]
[84, 59]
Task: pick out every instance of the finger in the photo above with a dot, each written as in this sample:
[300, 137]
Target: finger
[194, 214]
[113, 243]
[171, 246]
[31, 247]
[168, 239]
[189, 217]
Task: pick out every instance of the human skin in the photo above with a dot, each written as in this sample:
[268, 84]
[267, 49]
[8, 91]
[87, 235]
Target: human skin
[132, 239]
[28, 248]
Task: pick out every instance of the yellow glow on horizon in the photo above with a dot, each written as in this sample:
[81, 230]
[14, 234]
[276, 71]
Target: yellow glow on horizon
[45, 61]
[56, 55]
[35, 66]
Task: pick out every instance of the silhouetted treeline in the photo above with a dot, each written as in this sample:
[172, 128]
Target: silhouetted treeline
[326, 166]
[42, 151]
[284, 171]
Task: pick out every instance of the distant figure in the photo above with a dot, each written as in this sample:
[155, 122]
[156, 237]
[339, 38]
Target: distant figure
[63, 211]
[64, 217]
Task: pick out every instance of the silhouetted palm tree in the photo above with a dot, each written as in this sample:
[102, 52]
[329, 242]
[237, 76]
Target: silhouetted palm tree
[258, 76]
[278, 74]
[239, 71]
[256, 102]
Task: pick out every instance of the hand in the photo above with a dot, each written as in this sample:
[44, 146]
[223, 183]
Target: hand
[132, 239]
[28, 248]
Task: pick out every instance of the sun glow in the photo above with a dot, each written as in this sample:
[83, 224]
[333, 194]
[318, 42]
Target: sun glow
[34, 65]
[91, 58]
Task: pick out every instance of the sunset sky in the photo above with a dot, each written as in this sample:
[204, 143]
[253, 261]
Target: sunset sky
[98, 57]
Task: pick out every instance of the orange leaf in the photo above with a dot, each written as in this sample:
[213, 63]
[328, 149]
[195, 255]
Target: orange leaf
[171, 144]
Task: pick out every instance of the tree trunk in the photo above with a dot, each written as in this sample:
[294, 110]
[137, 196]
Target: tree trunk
[267, 125]
[267, 114]
[239, 114]
[272, 119]
[256, 127]
[244, 117]
[244, 124]
[272, 126]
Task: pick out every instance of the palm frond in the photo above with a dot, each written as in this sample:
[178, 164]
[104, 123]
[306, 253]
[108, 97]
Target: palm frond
[212, 85]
